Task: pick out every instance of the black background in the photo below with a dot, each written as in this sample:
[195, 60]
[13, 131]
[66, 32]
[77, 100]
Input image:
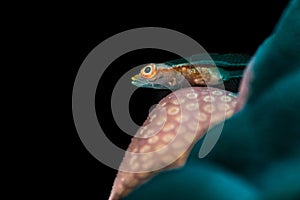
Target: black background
[218, 27]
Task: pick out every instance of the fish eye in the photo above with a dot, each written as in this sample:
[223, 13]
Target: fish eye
[149, 71]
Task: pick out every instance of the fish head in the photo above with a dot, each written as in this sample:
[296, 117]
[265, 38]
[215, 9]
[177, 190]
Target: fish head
[156, 76]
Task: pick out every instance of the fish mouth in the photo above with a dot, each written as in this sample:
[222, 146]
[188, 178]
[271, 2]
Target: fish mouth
[137, 81]
[136, 77]
[140, 83]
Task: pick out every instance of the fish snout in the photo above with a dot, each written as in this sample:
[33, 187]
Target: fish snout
[136, 77]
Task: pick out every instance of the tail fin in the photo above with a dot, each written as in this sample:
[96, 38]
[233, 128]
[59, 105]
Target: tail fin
[231, 74]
